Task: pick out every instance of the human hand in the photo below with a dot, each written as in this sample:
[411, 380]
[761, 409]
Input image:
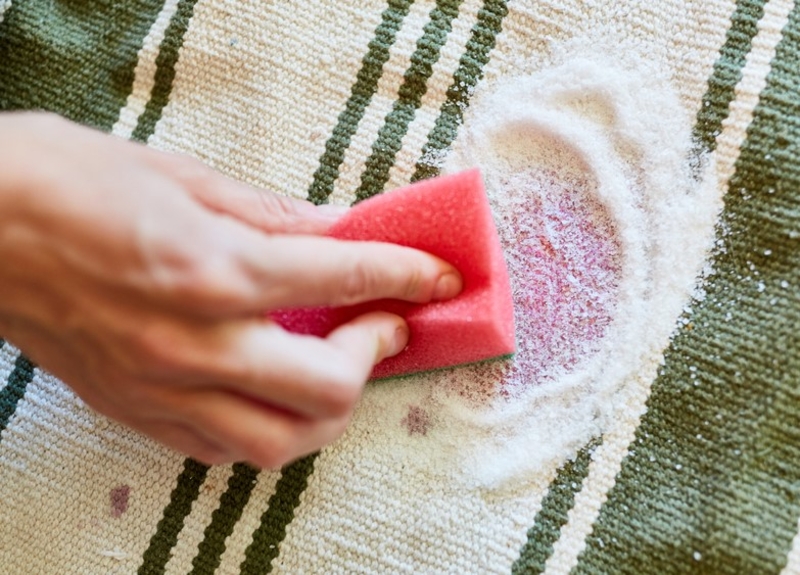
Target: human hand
[141, 278]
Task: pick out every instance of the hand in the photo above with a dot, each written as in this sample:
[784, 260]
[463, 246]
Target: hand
[141, 279]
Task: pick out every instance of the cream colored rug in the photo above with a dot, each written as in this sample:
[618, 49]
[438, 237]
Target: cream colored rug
[643, 164]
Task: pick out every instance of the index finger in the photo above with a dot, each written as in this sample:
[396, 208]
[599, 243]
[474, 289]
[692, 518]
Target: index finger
[301, 271]
[258, 272]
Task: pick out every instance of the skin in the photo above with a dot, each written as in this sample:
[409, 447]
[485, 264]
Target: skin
[141, 278]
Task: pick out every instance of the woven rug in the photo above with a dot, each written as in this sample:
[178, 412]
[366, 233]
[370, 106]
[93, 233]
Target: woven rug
[646, 155]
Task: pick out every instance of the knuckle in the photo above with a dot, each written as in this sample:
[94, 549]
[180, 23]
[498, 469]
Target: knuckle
[209, 280]
[275, 213]
[360, 282]
[414, 284]
[280, 207]
[270, 451]
[182, 263]
[194, 278]
[340, 391]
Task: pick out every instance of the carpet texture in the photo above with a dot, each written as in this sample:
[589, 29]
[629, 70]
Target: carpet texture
[690, 464]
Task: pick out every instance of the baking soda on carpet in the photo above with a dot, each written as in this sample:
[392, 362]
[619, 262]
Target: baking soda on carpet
[605, 231]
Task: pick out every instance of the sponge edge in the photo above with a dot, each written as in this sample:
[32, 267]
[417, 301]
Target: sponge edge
[449, 217]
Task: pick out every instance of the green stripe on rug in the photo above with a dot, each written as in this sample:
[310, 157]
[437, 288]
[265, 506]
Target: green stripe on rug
[714, 484]
[76, 59]
[169, 52]
[73, 58]
[727, 73]
[360, 96]
[157, 556]
[465, 78]
[83, 58]
[4, 5]
[14, 390]
[294, 479]
[224, 519]
[715, 104]
[362, 91]
[553, 515]
[186, 491]
[280, 511]
[415, 84]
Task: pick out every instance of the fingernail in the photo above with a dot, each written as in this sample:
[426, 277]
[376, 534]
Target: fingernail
[399, 342]
[448, 286]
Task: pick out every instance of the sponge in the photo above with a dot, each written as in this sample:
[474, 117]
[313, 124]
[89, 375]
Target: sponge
[448, 217]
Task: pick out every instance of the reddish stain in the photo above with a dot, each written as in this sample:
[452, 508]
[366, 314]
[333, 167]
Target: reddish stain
[417, 421]
[563, 256]
[119, 500]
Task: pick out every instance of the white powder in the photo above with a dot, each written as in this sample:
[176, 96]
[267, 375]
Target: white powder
[605, 232]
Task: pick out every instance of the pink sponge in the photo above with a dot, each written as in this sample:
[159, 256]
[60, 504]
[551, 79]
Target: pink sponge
[450, 218]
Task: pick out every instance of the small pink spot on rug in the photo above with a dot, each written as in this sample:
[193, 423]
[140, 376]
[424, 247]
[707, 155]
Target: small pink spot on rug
[417, 421]
[563, 256]
[119, 497]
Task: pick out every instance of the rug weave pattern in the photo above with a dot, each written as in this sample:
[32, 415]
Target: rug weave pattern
[336, 102]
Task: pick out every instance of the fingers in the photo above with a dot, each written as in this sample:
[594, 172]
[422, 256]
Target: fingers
[267, 211]
[316, 377]
[310, 376]
[289, 406]
[256, 432]
[221, 268]
[306, 271]
[183, 438]
[369, 339]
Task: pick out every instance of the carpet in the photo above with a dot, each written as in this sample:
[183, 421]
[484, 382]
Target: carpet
[650, 429]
